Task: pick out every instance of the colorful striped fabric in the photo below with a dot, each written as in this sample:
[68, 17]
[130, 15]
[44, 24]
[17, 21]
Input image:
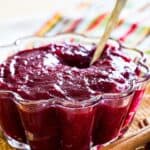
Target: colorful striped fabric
[133, 28]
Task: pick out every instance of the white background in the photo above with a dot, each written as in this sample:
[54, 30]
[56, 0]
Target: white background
[20, 18]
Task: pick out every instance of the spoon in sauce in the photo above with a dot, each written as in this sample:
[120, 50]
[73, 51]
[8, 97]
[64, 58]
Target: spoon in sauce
[109, 28]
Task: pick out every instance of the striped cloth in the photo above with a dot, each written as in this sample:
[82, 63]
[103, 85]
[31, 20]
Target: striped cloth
[90, 17]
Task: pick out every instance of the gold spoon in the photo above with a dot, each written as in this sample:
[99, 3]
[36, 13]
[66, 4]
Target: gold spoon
[109, 27]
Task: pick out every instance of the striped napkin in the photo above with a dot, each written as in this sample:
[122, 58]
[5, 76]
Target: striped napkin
[90, 17]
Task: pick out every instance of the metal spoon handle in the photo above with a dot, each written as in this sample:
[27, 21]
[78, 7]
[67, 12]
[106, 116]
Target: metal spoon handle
[109, 27]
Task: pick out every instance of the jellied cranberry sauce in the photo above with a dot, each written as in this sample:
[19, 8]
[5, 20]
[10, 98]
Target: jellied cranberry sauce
[62, 71]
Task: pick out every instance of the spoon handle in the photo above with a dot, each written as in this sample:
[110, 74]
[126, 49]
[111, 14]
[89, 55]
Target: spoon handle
[109, 27]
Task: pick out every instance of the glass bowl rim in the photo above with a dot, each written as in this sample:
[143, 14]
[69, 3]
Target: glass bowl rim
[101, 95]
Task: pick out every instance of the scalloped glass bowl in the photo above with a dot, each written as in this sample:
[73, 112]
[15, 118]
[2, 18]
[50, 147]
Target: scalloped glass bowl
[68, 125]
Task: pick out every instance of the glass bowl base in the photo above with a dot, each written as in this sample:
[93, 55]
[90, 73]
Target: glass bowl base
[101, 146]
[15, 144]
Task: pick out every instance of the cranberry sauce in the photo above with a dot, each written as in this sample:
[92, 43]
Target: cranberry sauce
[42, 126]
[9, 118]
[62, 71]
[65, 70]
[138, 95]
